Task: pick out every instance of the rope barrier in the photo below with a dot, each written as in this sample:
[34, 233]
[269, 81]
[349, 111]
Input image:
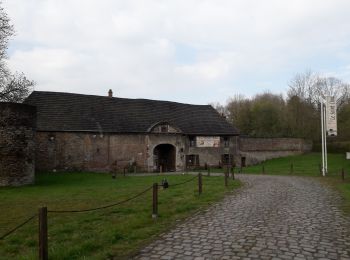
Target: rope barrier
[19, 226]
[92, 209]
[177, 184]
[103, 207]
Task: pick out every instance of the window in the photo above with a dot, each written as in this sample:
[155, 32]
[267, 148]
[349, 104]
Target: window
[226, 142]
[192, 160]
[164, 128]
[227, 159]
[192, 141]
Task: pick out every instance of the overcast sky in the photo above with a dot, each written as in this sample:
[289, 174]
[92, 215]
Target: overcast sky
[181, 50]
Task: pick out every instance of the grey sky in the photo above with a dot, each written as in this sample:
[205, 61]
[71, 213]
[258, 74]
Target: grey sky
[187, 51]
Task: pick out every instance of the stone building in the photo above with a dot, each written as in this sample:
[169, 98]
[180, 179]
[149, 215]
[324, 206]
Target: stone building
[101, 133]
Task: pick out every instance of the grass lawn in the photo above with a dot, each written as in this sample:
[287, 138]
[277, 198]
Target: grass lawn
[117, 231]
[305, 165]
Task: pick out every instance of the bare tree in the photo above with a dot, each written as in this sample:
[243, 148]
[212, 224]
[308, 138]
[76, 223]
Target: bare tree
[220, 108]
[13, 87]
[304, 86]
[331, 86]
[311, 87]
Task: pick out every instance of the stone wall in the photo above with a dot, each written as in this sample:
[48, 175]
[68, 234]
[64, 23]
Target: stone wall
[256, 150]
[17, 147]
[78, 151]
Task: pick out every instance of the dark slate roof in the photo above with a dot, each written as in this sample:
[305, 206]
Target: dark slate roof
[58, 111]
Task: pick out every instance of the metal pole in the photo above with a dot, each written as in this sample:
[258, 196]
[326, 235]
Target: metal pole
[325, 140]
[322, 134]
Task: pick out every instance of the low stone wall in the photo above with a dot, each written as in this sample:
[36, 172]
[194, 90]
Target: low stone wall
[17, 147]
[256, 150]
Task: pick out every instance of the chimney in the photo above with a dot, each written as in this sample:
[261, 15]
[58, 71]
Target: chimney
[110, 93]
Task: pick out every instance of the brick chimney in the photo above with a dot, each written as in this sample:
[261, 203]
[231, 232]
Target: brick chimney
[110, 93]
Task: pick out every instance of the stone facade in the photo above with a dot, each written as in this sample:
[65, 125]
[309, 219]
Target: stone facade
[108, 151]
[256, 150]
[85, 151]
[17, 148]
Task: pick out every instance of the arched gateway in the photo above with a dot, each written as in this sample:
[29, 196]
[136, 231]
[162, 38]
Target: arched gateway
[165, 156]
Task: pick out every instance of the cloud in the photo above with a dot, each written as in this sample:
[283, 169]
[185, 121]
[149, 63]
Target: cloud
[190, 51]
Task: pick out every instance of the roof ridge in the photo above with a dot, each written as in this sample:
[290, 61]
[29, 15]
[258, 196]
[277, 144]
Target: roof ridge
[134, 99]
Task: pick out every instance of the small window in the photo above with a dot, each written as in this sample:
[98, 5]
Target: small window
[226, 142]
[227, 159]
[164, 129]
[192, 141]
[192, 160]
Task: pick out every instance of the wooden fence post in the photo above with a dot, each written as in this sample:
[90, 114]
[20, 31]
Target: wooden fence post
[291, 168]
[160, 168]
[155, 200]
[233, 173]
[226, 179]
[342, 174]
[43, 245]
[208, 171]
[200, 183]
[263, 169]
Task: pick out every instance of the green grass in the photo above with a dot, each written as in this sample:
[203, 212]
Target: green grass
[304, 165]
[118, 231]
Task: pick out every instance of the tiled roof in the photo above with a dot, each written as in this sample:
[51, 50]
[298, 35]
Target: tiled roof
[58, 111]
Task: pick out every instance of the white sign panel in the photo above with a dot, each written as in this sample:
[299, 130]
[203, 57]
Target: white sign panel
[331, 116]
[348, 156]
[208, 141]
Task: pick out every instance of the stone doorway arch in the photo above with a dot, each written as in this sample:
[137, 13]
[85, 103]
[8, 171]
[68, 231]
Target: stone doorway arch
[165, 156]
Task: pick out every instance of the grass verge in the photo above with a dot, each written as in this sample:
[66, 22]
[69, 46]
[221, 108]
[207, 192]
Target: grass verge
[114, 232]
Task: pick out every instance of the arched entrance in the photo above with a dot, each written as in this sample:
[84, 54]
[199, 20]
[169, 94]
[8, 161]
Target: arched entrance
[165, 156]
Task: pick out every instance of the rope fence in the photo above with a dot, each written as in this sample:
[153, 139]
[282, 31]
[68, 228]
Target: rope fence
[181, 183]
[43, 212]
[103, 207]
[17, 227]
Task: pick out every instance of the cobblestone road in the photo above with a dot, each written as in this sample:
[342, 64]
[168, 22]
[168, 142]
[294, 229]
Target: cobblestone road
[272, 217]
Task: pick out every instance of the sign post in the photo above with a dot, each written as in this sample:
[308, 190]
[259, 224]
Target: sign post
[328, 126]
[323, 138]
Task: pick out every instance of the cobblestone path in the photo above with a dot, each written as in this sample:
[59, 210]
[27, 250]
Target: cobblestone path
[272, 217]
